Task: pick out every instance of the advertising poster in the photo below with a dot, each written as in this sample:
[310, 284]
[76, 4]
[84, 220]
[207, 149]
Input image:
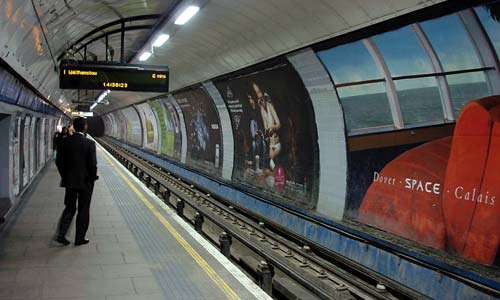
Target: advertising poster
[174, 126]
[275, 137]
[15, 155]
[26, 152]
[50, 135]
[203, 130]
[443, 194]
[59, 125]
[134, 127]
[33, 147]
[42, 142]
[149, 126]
[166, 129]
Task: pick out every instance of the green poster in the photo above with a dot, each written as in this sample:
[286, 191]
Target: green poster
[167, 137]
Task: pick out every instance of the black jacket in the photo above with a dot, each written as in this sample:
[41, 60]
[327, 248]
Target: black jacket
[76, 161]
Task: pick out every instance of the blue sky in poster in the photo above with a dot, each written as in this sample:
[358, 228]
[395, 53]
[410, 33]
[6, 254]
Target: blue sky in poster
[404, 55]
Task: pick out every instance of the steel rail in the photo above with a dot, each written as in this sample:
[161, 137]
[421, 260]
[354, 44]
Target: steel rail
[323, 277]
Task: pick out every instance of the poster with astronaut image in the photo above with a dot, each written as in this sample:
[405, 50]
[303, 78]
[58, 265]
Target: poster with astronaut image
[204, 138]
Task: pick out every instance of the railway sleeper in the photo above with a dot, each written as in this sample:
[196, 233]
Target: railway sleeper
[288, 261]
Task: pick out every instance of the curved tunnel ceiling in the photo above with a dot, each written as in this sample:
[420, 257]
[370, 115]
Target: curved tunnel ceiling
[225, 35]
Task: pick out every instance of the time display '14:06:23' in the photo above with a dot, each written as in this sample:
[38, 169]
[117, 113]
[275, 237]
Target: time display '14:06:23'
[122, 85]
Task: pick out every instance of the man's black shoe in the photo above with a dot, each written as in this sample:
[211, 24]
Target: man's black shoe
[82, 242]
[62, 240]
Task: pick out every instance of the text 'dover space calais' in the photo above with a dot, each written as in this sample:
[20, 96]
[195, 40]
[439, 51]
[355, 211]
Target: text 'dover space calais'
[414, 184]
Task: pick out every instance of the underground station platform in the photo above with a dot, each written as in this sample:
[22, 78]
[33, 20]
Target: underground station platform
[139, 248]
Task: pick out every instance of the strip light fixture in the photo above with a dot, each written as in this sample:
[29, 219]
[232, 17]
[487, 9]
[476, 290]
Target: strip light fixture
[160, 40]
[182, 19]
[100, 98]
[186, 15]
[144, 56]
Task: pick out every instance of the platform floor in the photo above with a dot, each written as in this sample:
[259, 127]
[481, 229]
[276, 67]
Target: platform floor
[139, 249]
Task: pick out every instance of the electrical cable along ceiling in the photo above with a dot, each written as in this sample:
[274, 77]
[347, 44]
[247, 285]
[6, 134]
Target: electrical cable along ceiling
[225, 35]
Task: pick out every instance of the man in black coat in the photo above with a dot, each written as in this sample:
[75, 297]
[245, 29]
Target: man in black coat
[77, 165]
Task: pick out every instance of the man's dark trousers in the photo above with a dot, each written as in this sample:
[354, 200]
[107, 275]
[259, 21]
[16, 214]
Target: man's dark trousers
[77, 163]
[73, 197]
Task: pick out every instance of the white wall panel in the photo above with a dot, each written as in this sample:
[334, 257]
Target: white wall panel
[331, 133]
[183, 128]
[227, 130]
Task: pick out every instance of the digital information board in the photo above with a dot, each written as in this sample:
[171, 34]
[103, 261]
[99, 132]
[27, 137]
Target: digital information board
[112, 76]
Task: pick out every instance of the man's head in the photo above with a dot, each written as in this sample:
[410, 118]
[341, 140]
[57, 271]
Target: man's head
[257, 90]
[251, 101]
[80, 125]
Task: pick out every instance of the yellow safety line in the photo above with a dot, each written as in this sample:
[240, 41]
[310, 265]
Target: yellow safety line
[197, 257]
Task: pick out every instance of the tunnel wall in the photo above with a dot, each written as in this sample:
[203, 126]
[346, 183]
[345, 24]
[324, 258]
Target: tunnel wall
[356, 143]
[95, 126]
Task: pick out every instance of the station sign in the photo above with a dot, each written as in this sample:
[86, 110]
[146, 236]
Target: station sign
[113, 76]
[83, 108]
[83, 114]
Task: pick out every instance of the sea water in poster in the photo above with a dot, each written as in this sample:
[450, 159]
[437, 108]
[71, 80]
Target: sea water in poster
[26, 151]
[134, 127]
[149, 126]
[275, 137]
[443, 194]
[203, 130]
[15, 155]
[33, 147]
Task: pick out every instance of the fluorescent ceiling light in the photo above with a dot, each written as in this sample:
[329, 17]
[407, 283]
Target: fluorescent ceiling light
[93, 106]
[160, 40]
[144, 56]
[187, 14]
[102, 95]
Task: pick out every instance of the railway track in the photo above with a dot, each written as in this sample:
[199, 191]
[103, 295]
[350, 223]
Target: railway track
[326, 276]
